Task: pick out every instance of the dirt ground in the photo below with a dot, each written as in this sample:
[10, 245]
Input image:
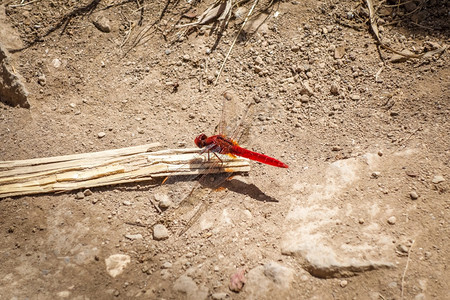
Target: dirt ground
[361, 213]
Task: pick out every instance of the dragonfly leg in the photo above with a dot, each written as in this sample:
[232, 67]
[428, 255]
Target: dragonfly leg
[221, 161]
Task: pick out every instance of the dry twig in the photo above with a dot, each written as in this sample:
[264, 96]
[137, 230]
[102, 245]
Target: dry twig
[235, 39]
[406, 267]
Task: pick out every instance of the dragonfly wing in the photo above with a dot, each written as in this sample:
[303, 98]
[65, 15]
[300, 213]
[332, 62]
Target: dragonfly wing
[234, 111]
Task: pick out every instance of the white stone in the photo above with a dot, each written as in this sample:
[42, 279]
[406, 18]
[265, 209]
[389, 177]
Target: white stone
[116, 263]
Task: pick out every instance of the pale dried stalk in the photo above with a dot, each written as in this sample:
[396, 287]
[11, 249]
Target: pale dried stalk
[134, 164]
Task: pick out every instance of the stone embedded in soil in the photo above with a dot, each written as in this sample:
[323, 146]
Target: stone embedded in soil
[307, 224]
[438, 179]
[160, 232]
[116, 263]
[101, 134]
[87, 192]
[187, 286]
[343, 283]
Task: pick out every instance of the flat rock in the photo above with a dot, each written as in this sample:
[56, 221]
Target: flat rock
[116, 263]
[313, 217]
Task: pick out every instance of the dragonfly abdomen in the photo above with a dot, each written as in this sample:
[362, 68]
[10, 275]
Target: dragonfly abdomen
[239, 151]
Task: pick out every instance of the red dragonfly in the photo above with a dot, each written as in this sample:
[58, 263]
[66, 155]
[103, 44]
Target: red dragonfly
[224, 145]
[221, 144]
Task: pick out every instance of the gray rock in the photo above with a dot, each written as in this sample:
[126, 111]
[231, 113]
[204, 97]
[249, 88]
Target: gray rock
[12, 89]
[160, 232]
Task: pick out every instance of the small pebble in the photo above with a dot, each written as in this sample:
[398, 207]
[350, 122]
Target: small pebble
[336, 148]
[413, 195]
[160, 232]
[87, 192]
[165, 203]
[375, 175]
[334, 89]
[79, 195]
[361, 221]
[343, 283]
[219, 296]
[438, 179]
[392, 220]
[134, 236]
[101, 134]
[355, 97]
[56, 63]
[166, 265]
[126, 203]
[42, 80]
[402, 248]
[380, 153]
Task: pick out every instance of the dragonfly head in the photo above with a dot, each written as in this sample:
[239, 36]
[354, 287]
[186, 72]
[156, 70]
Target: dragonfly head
[200, 141]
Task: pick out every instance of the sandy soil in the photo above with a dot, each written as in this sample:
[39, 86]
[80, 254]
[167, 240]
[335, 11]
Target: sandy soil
[361, 213]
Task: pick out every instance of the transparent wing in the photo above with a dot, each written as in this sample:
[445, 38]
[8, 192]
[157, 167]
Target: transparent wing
[235, 121]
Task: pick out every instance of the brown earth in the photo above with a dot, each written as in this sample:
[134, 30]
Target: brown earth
[310, 69]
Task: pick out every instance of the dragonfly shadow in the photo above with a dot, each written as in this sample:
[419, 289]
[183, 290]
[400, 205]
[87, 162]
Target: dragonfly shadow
[248, 189]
